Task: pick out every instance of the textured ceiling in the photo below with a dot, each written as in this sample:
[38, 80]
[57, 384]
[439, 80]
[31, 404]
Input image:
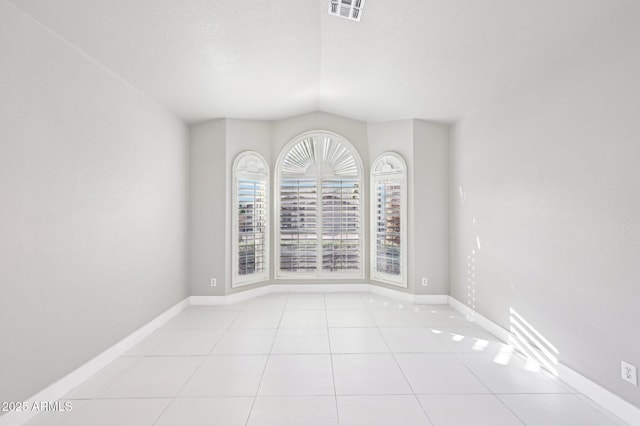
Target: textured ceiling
[429, 59]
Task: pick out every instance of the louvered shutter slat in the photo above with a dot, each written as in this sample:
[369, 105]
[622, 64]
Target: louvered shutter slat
[319, 212]
[388, 235]
[341, 225]
[298, 225]
[251, 226]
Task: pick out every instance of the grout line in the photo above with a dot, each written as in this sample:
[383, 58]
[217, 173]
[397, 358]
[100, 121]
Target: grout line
[204, 359]
[393, 355]
[508, 408]
[110, 398]
[225, 332]
[333, 375]
[110, 382]
[459, 356]
[266, 363]
[163, 411]
[492, 393]
[328, 395]
[464, 364]
[324, 395]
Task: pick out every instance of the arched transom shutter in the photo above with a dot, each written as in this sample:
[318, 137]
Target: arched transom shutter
[320, 207]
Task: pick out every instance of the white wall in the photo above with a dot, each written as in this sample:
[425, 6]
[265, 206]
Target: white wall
[244, 135]
[215, 144]
[93, 216]
[207, 208]
[430, 207]
[550, 189]
[396, 136]
[425, 148]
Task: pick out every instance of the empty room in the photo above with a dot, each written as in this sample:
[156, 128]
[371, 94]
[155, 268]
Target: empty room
[319, 212]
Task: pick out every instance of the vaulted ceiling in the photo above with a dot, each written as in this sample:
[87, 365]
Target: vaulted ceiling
[429, 59]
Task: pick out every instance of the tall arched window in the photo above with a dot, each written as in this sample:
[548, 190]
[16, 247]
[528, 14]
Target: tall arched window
[250, 251]
[389, 219]
[319, 208]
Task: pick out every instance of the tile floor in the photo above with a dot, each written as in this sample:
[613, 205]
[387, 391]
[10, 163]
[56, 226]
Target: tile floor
[324, 359]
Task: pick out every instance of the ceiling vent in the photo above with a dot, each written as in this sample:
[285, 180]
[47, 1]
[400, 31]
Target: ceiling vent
[348, 9]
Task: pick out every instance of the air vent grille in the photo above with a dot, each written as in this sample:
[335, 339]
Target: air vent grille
[348, 9]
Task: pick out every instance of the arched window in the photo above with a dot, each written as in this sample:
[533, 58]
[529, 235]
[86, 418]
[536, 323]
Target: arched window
[319, 208]
[250, 251]
[389, 219]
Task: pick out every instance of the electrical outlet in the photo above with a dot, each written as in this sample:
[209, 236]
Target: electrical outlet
[629, 373]
[213, 282]
[425, 282]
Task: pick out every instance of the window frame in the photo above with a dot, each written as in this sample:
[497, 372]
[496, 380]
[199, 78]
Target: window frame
[245, 167]
[388, 166]
[319, 273]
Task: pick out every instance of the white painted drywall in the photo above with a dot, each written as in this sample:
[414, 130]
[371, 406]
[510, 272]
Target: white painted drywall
[396, 136]
[215, 144]
[207, 208]
[213, 148]
[545, 204]
[93, 208]
[424, 146]
[245, 135]
[430, 207]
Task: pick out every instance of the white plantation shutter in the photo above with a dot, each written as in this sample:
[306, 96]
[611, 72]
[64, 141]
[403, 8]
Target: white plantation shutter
[341, 224]
[350, 9]
[388, 221]
[250, 219]
[252, 215]
[388, 225]
[319, 213]
[298, 225]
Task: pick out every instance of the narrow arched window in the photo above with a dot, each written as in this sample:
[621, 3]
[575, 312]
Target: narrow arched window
[388, 219]
[250, 252]
[319, 212]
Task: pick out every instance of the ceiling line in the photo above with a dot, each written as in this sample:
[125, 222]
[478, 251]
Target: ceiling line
[600, 28]
[94, 60]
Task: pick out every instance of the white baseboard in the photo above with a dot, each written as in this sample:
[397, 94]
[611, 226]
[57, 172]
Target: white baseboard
[246, 295]
[207, 300]
[66, 384]
[431, 299]
[72, 380]
[601, 396]
[389, 292]
[481, 320]
[319, 288]
[439, 299]
[606, 399]
[241, 296]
